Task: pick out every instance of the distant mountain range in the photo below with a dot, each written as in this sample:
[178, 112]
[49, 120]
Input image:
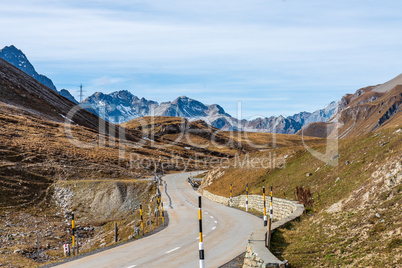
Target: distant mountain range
[122, 106]
[16, 57]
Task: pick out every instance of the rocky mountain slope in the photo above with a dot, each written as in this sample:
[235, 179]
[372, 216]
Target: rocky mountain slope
[119, 106]
[66, 94]
[21, 90]
[322, 115]
[366, 110]
[16, 57]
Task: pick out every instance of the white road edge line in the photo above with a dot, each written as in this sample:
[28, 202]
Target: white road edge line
[167, 252]
[132, 266]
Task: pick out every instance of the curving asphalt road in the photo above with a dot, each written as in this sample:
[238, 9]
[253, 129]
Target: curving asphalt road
[226, 231]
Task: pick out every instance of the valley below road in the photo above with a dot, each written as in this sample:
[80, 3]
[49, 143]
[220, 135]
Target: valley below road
[225, 230]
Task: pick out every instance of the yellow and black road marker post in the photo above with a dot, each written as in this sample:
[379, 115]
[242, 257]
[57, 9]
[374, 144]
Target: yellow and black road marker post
[201, 244]
[142, 220]
[265, 207]
[271, 218]
[231, 195]
[73, 232]
[163, 214]
[247, 197]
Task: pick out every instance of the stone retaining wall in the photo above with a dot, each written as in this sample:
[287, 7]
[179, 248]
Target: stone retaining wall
[257, 255]
[281, 207]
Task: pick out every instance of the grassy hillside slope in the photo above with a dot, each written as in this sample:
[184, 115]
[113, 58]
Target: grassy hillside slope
[355, 219]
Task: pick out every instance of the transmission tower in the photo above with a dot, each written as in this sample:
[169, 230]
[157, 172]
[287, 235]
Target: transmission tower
[81, 93]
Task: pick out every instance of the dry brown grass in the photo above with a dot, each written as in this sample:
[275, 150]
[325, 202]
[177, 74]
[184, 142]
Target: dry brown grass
[352, 237]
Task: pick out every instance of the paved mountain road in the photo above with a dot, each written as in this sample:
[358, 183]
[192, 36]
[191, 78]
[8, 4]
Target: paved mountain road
[226, 231]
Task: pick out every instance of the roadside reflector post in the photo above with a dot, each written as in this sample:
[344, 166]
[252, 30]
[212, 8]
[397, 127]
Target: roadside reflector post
[66, 248]
[201, 244]
[247, 197]
[271, 218]
[265, 206]
[115, 232]
[142, 220]
[231, 195]
[73, 232]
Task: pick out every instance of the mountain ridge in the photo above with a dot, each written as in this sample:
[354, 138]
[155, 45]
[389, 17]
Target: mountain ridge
[17, 58]
[112, 108]
[366, 110]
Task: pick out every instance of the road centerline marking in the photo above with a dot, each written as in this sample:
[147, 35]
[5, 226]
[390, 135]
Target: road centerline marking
[167, 252]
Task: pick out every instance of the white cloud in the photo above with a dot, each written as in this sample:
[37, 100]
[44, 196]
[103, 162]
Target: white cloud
[211, 47]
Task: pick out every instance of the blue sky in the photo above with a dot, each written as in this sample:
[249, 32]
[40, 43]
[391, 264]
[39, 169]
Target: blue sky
[275, 57]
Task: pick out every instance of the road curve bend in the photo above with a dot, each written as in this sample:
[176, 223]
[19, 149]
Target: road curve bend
[225, 229]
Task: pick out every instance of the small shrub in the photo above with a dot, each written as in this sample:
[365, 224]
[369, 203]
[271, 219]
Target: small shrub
[304, 195]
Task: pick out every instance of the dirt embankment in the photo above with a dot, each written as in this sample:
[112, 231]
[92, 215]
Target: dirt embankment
[96, 205]
[101, 201]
